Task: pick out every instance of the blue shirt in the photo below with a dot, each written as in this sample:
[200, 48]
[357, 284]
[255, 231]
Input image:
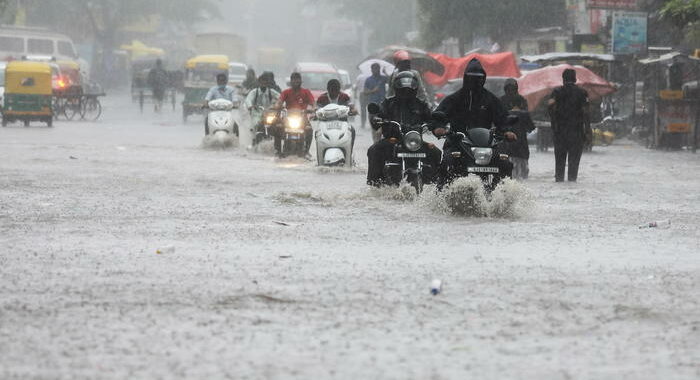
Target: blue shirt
[229, 93]
[371, 83]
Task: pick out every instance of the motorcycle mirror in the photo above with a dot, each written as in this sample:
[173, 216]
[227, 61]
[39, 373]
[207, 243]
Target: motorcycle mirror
[373, 108]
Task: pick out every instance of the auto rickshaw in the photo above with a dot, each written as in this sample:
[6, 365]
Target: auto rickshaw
[28, 93]
[200, 76]
[71, 77]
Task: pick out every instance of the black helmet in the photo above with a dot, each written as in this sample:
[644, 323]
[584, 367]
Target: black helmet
[405, 80]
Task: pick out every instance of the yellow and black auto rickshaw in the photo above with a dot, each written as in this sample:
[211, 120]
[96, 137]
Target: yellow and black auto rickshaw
[28, 93]
[200, 76]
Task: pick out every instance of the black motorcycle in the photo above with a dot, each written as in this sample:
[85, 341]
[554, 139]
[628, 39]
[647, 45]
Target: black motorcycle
[294, 124]
[264, 128]
[409, 160]
[476, 153]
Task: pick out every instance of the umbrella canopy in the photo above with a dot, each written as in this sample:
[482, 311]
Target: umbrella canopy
[495, 65]
[420, 59]
[386, 68]
[538, 84]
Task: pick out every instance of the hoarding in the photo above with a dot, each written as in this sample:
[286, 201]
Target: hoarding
[629, 32]
[613, 4]
[674, 117]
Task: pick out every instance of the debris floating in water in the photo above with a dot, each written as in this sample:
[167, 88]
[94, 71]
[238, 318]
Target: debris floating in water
[436, 287]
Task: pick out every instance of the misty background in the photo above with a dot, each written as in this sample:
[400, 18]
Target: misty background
[342, 32]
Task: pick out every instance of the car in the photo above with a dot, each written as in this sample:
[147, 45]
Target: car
[315, 76]
[237, 72]
[493, 84]
[345, 81]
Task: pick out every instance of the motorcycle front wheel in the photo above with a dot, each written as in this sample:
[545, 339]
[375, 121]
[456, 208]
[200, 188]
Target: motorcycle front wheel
[416, 181]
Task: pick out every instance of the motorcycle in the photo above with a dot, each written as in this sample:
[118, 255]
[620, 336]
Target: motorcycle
[409, 156]
[294, 123]
[220, 120]
[334, 136]
[263, 129]
[476, 153]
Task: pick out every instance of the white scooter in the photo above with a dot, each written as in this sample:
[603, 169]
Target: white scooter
[334, 136]
[221, 123]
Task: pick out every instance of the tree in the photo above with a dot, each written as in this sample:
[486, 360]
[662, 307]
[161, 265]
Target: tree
[685, 16]
[499, 19]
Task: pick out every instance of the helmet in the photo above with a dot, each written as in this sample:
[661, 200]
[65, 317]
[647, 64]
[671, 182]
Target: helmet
[405, 80]
[401, 55]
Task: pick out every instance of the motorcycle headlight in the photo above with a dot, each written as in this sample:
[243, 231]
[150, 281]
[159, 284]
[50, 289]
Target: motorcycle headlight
[482, 156]
[294, 122]
[413, 141]
[269, 119]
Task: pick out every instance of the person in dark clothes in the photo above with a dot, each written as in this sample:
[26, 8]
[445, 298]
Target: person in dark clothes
[408, 110]
[472, 106]
[251, 81]
[158, 81]
[518, 150]
[569, 113]
[271, 80]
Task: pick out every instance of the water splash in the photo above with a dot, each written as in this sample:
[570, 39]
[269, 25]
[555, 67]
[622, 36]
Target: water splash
[219, 141]
[467, 197]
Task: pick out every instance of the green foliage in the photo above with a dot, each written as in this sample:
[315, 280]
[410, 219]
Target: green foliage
[681, 12]
[685, 16]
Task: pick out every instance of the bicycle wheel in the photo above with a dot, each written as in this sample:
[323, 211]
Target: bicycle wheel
[58, 107]
[91, 110]
[71, 107]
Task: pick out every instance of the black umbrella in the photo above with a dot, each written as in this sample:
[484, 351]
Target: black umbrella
[420, 59]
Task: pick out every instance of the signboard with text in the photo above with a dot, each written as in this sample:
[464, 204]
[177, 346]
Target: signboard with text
[613, 4]
[629, 32]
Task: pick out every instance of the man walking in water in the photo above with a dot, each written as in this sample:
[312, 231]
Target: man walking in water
[569, 113]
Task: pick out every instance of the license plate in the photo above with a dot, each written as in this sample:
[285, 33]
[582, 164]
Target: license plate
[482, 170]
[294, 137]
[293, 131]
[410, 155]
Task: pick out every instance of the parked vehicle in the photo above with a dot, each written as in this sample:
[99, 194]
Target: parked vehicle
[16, 42]
[28, 93]
[345, 80]
[236, 73]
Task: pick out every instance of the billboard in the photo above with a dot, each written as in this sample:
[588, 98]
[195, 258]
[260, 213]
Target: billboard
[613, 4]
[629, 32]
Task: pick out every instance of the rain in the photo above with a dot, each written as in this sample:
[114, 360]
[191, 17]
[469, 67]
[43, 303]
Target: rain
[457, 189]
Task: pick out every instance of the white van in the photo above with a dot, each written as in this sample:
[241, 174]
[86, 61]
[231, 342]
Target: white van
[16, 42]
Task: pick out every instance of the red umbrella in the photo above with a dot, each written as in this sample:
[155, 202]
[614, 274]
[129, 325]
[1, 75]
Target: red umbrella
[538, 84]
